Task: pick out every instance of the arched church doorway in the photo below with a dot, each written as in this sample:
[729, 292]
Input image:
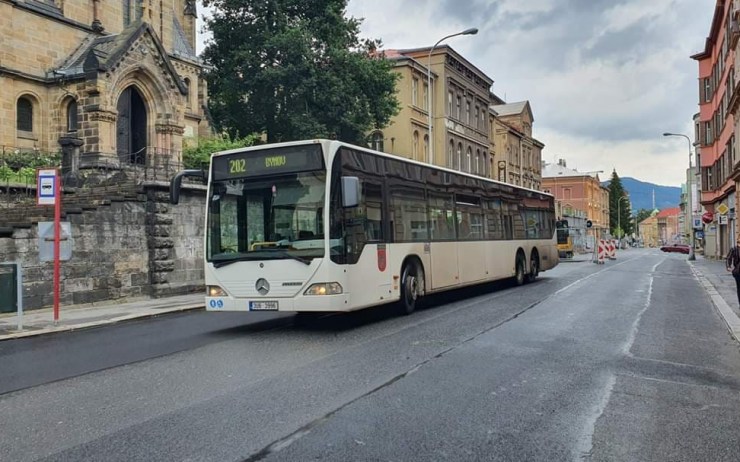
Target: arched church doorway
[131, 129]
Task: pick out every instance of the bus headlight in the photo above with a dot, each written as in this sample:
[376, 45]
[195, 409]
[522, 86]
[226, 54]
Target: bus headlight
[215, 291]
[324, 288]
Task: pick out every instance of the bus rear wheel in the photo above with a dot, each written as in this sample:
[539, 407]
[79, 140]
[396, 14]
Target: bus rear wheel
[409, 289]
[519, 277]
[534, 268]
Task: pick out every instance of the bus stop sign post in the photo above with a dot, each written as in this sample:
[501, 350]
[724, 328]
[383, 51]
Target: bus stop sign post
[48, 192]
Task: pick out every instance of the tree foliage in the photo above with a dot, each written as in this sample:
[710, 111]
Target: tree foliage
[643, 214]
[295, 69]
[617, 195]
[200, 155]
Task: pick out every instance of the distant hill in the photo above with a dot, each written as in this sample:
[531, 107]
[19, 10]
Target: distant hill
[641, 194]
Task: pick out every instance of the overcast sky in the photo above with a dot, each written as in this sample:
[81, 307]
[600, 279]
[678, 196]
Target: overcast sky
[605, 78]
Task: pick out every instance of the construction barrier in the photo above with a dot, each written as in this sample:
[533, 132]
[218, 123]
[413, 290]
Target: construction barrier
[601, 252]
[612, 250]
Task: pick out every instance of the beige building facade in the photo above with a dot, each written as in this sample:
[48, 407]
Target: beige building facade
[474, 131]
[408, 133]
[648, 229]
[102, 81]
[517, 155]
[460, 100]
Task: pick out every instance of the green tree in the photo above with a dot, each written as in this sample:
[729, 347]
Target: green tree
[199, 155]
[617, 195]
[295, 69]
[642, 214]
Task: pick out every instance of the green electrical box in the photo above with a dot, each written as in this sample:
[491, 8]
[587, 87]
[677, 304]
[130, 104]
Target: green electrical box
[8, 287]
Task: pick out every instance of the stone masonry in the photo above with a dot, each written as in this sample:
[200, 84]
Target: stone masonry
[134, 247]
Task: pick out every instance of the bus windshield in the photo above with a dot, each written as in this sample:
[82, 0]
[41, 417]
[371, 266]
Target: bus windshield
[280, 217]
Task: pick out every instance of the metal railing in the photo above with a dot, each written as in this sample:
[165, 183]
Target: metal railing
[18, 172]
[99, 171]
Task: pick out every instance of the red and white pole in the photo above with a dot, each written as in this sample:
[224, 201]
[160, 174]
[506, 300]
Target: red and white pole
[57, 239]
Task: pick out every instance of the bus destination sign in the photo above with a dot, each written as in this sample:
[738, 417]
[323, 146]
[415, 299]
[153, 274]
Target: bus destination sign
[273, 161]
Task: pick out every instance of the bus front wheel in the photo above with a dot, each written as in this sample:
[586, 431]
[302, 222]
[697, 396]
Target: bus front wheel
[409, 289]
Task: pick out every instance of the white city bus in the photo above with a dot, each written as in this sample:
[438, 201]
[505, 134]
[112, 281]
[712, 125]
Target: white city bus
[322, 225]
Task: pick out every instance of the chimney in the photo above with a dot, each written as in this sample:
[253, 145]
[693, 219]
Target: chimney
[561, 162]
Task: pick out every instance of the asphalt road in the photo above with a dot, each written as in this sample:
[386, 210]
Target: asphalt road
[625, 361]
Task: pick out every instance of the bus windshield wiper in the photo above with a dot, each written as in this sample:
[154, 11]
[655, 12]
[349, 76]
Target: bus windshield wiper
[307, 261]
[227, 261]
[272, 255]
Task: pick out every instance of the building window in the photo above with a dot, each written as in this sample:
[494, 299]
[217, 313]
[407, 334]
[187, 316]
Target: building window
[415, 92]
[458, 157]
[415, 148]
[477, 166]
[72, 116]
[477, 119]
[708, 139]
[707, 90]
[186, 81]
[126, 12]
[426, 148]
[425, 103]
[459, 103]
[467, 112]
[469, 160]
[450, 98]
[451, 155]
[24, 114]
[376, 141]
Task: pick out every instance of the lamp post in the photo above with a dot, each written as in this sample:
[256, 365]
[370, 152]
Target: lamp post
[688, 198]
[471, 31]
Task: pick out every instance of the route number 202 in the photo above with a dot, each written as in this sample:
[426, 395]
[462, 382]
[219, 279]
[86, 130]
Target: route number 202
[237, 166]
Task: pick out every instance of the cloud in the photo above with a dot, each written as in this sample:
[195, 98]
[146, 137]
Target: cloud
[605, 77]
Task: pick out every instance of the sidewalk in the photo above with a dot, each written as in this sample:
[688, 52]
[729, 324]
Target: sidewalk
[38, 322]
[579, 257]
[720, 285]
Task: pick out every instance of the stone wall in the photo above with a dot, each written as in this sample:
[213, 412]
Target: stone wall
[127, 249]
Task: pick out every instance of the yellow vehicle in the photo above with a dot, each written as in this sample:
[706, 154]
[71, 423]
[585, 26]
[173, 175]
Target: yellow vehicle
[565, 241]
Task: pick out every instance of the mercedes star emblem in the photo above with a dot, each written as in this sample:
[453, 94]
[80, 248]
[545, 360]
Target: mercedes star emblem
[262, 286]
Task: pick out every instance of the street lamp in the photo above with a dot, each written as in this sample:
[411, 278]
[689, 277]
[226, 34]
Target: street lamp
[471, 31]
[688, 199]
[619, 216]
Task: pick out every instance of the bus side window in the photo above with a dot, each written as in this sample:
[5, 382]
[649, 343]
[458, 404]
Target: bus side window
[372, 202]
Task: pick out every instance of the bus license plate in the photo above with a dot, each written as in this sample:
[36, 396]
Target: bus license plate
[263, 306]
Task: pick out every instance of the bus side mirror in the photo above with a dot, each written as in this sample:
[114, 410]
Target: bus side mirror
[351, 191]
[176, 183]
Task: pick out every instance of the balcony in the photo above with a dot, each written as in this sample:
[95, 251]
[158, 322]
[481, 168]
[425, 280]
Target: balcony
[734, 29]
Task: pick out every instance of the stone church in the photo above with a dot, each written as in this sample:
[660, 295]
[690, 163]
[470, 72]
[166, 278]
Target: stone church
[115, 82]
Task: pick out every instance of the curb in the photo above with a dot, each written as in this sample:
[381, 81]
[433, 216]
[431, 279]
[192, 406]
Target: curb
[729, 316]
[104, 322]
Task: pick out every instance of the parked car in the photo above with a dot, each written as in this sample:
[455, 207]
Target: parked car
[680, 248]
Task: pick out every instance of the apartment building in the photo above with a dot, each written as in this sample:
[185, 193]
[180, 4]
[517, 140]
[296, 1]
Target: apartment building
[474, 130]
[577, 192]
[517, 154]
[715, 127]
